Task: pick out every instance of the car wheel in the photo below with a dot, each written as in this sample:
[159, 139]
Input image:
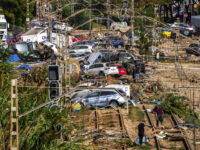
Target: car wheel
[119, 46]
[186, 33]
[192, 36]
[113, 104]
[101, 73]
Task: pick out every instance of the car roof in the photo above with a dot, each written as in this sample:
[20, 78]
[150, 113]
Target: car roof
[102, 90]
[81, 45]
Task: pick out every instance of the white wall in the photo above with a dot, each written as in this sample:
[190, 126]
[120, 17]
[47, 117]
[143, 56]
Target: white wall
[43, 37]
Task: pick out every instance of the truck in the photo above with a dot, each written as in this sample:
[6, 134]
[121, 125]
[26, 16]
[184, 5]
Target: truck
[3, 28]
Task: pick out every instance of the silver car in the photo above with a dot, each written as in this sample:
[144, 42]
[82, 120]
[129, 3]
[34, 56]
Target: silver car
[103, 98]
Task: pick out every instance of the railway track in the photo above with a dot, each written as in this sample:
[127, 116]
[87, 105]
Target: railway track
[110, 124]
[181, 138]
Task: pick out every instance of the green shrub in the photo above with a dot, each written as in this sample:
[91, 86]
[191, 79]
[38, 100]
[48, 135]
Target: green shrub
[175, 104]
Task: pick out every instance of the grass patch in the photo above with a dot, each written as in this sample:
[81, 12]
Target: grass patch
[108, 116]
[111, 125]
[135, 114]
[108, 112]
[189, 119]
[173, 148]
[166, 116]
[142, 147]
[111, 122]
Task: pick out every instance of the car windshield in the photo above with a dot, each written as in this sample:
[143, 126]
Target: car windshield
[21, 47]
[121, 91]
[83, 47]
[110, 65]
[73, 55]
[183, 25]
[78, 36]
[3, 25]
[81, 55]
[120, 67]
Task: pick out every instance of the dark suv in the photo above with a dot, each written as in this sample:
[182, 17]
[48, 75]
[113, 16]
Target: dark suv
[193, 49]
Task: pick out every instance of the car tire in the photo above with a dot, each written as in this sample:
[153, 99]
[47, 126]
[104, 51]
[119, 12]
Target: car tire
[119, 46]
[187, 33]
[101, 73]
[192, 36]
[114, 104]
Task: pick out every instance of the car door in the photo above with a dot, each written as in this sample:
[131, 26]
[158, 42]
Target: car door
[91, 69]
[98, 68]
[83, 49]
[105, 97]
[92, 99]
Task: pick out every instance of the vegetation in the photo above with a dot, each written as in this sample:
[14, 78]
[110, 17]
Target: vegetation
[178, 105]
[143, 147]
[6, 74]
[135, 114]
[14, 11]
[175, 104]
[47, 128]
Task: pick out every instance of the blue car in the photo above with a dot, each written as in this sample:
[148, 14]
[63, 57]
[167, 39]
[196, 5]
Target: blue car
[116, 41]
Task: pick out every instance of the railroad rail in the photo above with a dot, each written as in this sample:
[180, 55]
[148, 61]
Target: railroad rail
[101, 126]
[174, 122]
[184, 139]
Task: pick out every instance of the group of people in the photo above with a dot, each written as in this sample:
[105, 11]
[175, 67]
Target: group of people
[159, 118]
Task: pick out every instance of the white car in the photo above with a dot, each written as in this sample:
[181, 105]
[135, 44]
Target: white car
[79, 93]
[184, 28]
[103, 69]
[81, 49]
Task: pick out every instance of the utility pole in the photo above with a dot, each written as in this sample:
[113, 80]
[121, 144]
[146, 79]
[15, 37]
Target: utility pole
[90, 17]
[68, 68]
[132, 23]
[27, 11]
[108, 14]
[72, 7]
[37, 7]
[14, 137]
[194, 132]
[50, 21]
[154, 27]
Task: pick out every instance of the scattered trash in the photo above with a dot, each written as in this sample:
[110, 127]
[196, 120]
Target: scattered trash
[76, 106]
[161, 135]
[23, 66]
[145, 139]
[13, 58]
[149, 110]
[132, 102]
[186, 125]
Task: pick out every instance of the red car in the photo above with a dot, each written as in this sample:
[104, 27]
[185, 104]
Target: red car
[77, 38]
[121, 69]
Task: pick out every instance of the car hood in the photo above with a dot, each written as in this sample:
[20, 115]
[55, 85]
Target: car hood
[76, 100]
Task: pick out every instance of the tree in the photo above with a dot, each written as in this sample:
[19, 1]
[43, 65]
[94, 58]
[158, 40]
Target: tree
[6, 74]
[15, 11]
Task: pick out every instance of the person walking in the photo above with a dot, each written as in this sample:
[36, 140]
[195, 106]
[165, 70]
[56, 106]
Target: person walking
[133, 75]
[159, 116]
[141, 131]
